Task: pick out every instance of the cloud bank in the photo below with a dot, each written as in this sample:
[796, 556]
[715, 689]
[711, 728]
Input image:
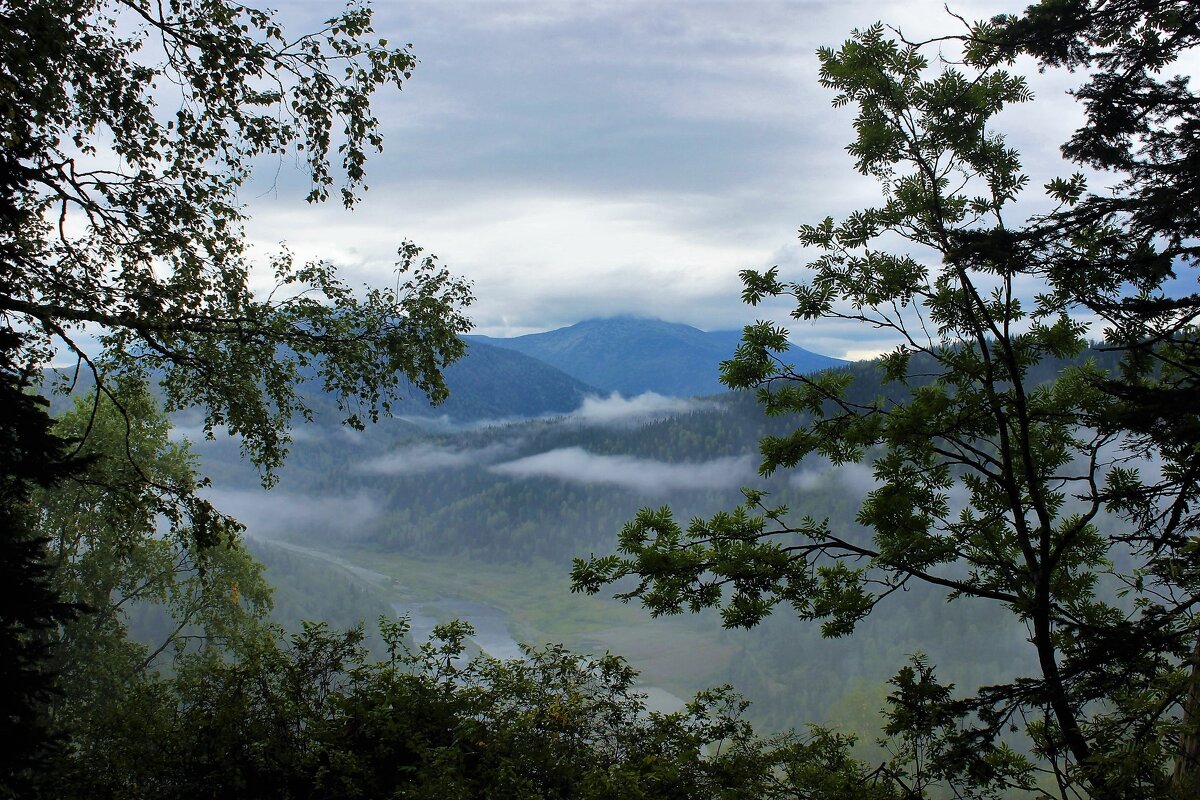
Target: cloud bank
[579, 466]
[619, 157]
[617, 410]
[429, 457]
[283, 514]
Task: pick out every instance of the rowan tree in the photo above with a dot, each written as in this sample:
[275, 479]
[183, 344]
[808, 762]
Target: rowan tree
[1012, 466]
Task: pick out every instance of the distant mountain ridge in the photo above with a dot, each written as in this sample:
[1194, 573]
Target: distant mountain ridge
[499, 383]
[633, 355]
[551, 373]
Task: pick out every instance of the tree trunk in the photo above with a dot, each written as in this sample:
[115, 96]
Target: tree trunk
[1185, 781]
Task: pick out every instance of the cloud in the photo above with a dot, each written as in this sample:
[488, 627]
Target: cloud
[619, 157]
[613, 410]
[819, 473]
[642, 474]
[271, 514]
[617, 410]
[428, 457]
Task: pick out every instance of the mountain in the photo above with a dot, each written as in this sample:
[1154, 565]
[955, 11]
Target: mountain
[488, 383]
[551, 373]
[632, 355]
[498, 383]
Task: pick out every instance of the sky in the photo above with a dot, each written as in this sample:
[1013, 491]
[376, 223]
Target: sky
[587, 159]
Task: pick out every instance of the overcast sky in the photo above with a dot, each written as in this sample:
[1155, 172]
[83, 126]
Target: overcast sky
[578, 160]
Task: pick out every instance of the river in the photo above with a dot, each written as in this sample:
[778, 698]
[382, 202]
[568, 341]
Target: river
[492, 632]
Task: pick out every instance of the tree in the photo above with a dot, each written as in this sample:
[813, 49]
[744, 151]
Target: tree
[121, 553]
[1141, 126]
[129, 128]
[312, 718]
[120, 549]
[1009, 464]
[31, 456]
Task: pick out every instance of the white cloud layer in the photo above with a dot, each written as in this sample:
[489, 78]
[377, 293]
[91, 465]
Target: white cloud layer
[429, 457]
[578, 160]
[277, 514]
[618, 410]
[640, 474]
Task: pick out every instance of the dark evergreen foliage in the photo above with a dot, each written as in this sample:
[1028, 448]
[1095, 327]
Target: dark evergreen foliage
[31, 455]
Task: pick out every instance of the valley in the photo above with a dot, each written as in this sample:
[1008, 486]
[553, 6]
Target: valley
[476, 517]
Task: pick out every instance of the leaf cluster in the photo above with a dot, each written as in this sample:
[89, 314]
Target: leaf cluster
[313, 717]
[128, 130]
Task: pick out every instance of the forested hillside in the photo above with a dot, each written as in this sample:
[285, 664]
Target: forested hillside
[533, 495]
[552, 488]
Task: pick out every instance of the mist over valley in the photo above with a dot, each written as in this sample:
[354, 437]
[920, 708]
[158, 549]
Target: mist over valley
[482, 503]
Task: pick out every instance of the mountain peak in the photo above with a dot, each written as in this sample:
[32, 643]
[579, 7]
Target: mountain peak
[634, 354]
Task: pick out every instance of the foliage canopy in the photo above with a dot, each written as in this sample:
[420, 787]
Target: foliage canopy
[128, 129]
[314, 718]
[1065, 498]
